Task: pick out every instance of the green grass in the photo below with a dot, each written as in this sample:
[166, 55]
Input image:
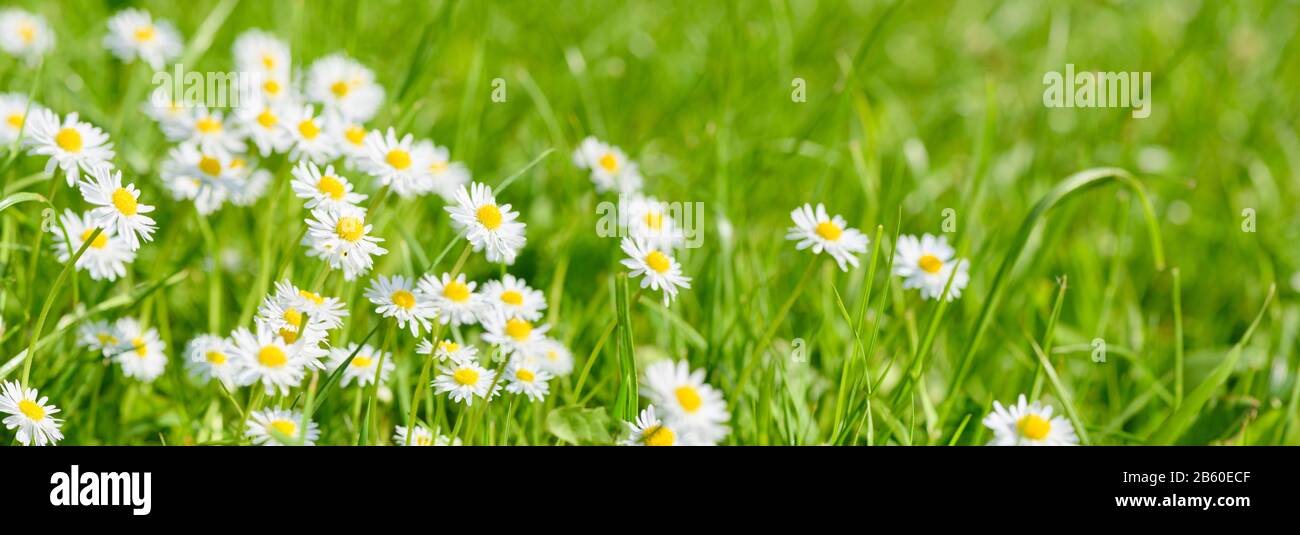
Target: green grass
[912, 108]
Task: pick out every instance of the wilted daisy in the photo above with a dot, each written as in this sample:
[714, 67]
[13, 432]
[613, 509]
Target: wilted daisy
[447, 177]
[512, 298]
[308, 134]
[328, 189]
[118, 206]
[817, 230]
[611, 170]
[648, 219]
[140, 351]
[133, 33]
[99, 336]
[209, 356]
[13, 115]
[397, 298]
[280, 427]
[662, 271]
[465, 381]
[346, 87]
[362, 367]
[397, 163]
[107, 256]
[1028, 424]
[448, 351]
[927, 263]
[650, 430]
[263, 125]
[266, 358]
[258, 51]
[524, 376]
[72, 145]
[342, 239]
[27, 411]
[454, 299]
[25, 35]
[689, 404]
[421, 437]
[488, 227]
[513, 335]
[554, 357]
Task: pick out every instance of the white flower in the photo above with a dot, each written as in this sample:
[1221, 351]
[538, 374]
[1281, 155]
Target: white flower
[448, 351]
[308, 134]
[350, 139]
[454, 299]
[72, 145]
[258, 51]
[662, 271]
[132, 33]
[610, 167]
[13, 115]
[397, 163]
[512, 298]
[689, 404]
[650, 430]
[327, 189]
[649, 220]
[525, 377]
[422, 437]
[249, 186]
[267, 358]
[168, 109]
[279, 427]
[289, 315]
[205, 176]
[265, 126]
[209, 356]
[30, 415]
[140, 352]
[446, 176]
[328, 311]
[1025, 424]
[342, 239]
[396, 298]
[24, 34]
[927, 263]
[99, 336]
[488, 226]
[362, 367]
[817, 230]
[513, 335]
[118, 206]
[346, 87]
[463, 382]
[107, 256]
[554, 357]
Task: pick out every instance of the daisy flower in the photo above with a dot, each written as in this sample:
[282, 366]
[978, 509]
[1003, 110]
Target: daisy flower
[662, 271]
[422, 437]
[342, 239]
[329, 311]
[554, 357]
[454, 299]
[397, 298]
[99, 336]
[650, 430]
[327, 189]
[350, 139]
[117, 206]
[463, 382]
[611, 170]
[279, 427]
[447, 176]
[24, 35]
[362, 368]
[345, 87]
[13, 115]
[173, 116]
[927, 263]
[72, 145]
[448, 351]
[30, 415]
[107, 256]
[648, 219]
[258, 51]
[208, 129]
[286, 313]
[512, 298]
[205, 176]
[211, 357]
[140, 352]
[266, 358]
[397, 163]
[487, 226]
[513, 335]
[1028, 424]
[821, 232]
[308, 134]
[132, 33]
[689, 404]
[263, 124]
[527, 378]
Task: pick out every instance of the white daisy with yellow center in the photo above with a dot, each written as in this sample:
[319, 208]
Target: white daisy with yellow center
[454, 299]
[421, 436]
[396, 297]
[342, 239]
[280, 427]
[327, 189]
[345, 87]
[135, 34]
[515, 336]
[656, 267]
[139, 351]
[329, 311]
[350, 138]
[293, 319]
[211, 131]
[13, 116]
[1028, 424]
[448, 351]
[651, 220]
[107, 256]
[447, 177]
[174, 116]
[927, 263]
[265, 125]
[525, 376]
[263, 357]
[118, 206]
[101, 336]
[466, 381]
[362, 367]
[689, 404]
[24, 35]
[210, 357]
[75, 147]
[512, 298]
[611, 170]
[261, 52]
[490, 227]
[398, 163]
[554, 357]
[205, 176]
[28, 412]
[308, 133]
[650, 430]
[816, 230]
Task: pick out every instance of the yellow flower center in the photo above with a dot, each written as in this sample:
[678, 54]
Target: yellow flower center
[423, 441]
[658, 436]
[609, 162]
[284, 427]
[308, 129]
[106, 339]
[208, 125]
[331, 186]
[524, 375]
[289, 334]
[340, 89]
[124, 201]
[361, 362]
[512, 297]
[216, 357]
[146, 33]
[1033, 427]
[27, 32]
[438, 167]
[658, 261]
[399, 159]
[466, 376]
[311, 296]
[355, 134]
[141, 349]
[68, 139]
[552, 356]
[267, 119]
[829, 231]
[100, 241]
[449, 346]
[688, 398]
[519, 329]
[15, 120]
[272, 357]
[210, 166]
[930, 263]
[456, 291]
[350, 228]
[272, 87]
[292, 316]
[236, 163]
[31, 410]
[268, 61]
[404, 299]
[654, 220]
[490, 216]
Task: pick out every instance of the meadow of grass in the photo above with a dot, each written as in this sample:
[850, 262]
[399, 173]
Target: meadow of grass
[1162, 239]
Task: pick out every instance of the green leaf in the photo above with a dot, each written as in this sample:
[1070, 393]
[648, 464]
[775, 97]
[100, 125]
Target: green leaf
[20, 197]
[580, 426]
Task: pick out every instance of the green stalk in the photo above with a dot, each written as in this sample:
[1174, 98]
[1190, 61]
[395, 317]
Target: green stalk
[49, 301]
